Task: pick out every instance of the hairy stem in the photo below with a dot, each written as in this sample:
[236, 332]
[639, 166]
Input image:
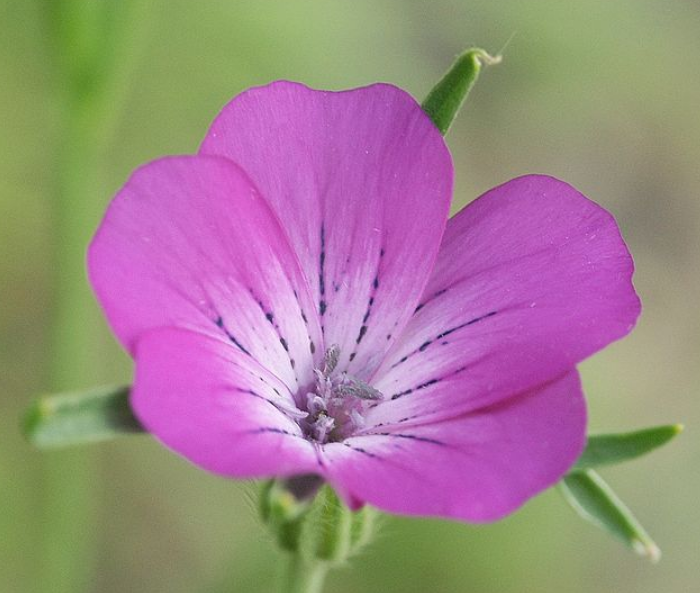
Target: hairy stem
[302, 575]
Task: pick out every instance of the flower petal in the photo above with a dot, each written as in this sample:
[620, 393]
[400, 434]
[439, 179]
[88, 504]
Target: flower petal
[216, 406]
[531, 278]
[477, 467]
[362, 181]
[189, 242]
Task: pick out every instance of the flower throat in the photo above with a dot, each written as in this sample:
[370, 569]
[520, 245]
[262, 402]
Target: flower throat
[337, 405]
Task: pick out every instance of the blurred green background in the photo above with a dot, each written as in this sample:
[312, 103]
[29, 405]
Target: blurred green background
[602, 94]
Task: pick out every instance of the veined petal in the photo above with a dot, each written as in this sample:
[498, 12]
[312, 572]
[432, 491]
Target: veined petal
[216, 406]
[362, 181]
[531, 278]
[477, 467]
[190, 242]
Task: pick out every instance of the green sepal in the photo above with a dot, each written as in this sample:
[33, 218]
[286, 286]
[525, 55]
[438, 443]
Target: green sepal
[591, 497]
[362, 528]
[80, 417]
[607, 449]
[446, 98]
[328, 529]
[283, 512]
[316, 525]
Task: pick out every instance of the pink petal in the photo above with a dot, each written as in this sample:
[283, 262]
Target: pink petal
[531, 278]
[362, 180]
[189, 242]
[477, 467]
[216, 406]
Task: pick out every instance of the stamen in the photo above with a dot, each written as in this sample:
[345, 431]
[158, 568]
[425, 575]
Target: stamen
[315, 404]
[322, 427]
[351, 386]
[330, 360]
[337, 404]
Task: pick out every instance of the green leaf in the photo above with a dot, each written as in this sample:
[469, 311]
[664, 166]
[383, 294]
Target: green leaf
[80, 417]
[606, 449]
[594, 500]
[443, 102]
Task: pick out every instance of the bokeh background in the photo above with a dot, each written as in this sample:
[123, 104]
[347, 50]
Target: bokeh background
[603, 94]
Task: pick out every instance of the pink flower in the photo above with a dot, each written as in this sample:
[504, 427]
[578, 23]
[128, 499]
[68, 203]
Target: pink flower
[298, 303]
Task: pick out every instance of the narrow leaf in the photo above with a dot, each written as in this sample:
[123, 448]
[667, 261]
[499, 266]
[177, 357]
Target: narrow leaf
[445, 99]
[607, 449]
[594, 500]
[80, 417]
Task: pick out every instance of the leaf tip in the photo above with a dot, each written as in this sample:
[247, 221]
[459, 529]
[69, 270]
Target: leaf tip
[32, 418]
[648, 549]
[483, 57]
[445, 99]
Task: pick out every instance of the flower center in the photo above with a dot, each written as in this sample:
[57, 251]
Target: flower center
[337, 404]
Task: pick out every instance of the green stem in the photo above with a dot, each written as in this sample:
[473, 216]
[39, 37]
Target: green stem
[302, 575]
[69, 482]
